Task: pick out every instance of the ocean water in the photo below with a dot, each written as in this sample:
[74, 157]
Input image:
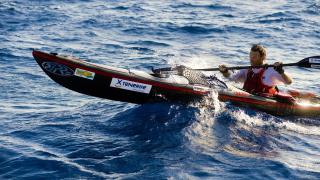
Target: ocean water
[49, 132]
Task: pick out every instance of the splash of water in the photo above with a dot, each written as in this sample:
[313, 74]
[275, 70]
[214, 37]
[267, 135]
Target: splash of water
[193, 62]
[202, 132]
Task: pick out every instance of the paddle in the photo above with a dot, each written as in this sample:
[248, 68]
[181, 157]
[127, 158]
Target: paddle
[309, 62]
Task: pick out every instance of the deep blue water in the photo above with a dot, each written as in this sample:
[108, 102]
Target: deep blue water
[49, 132]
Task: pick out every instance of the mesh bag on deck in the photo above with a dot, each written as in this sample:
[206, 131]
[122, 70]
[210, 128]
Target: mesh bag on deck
[197, 77]
[194, 77]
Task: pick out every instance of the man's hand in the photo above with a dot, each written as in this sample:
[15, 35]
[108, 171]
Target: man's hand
[223, 69]
[278, 67]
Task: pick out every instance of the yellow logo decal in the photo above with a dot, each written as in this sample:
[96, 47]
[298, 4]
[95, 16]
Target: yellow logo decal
[84, 73]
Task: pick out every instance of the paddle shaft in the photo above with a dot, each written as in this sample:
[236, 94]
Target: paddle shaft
[245, 67]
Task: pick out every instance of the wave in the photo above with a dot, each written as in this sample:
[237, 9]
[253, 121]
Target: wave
[148, 43]
[209, 6]
[278, 17]
[192, 29]
[313, 9]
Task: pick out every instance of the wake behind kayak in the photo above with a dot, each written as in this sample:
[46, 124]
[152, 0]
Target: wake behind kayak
[140, 87]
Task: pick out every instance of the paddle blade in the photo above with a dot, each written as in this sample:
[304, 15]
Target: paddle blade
[310, 62]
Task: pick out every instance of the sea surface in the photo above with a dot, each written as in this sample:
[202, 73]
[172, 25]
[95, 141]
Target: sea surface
[49, 132]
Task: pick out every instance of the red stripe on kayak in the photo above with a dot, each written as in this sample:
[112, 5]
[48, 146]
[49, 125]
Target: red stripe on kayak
[46, 56]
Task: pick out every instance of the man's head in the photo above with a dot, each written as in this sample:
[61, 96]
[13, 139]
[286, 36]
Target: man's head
[258, 55]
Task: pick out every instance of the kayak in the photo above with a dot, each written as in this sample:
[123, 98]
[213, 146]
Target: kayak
[135, 86]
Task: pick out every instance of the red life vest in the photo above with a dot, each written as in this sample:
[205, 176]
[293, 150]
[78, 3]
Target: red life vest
[254, 84]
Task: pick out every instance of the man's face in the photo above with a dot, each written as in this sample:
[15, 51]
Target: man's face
[255, 58]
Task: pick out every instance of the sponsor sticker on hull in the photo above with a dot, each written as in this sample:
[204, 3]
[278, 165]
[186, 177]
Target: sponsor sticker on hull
[130, 85]
[201, 89]
[57, 69]
[84, 74]
[314, 60]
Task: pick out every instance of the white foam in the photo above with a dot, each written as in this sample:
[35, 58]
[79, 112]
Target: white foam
[284, 124]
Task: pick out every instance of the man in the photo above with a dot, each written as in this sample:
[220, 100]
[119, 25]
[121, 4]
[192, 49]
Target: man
[259, 80]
